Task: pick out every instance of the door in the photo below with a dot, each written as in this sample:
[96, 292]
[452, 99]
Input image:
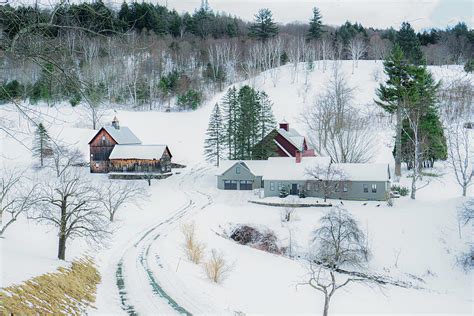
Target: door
[230, 185]
[294, 189]
[246, 185]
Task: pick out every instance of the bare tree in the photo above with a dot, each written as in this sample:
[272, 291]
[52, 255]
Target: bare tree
[416, 139]
[71, 204]
[461, 155]
[465, 216]
[337, 243]
[336, 128]
[357, 48]
[63, 158]
[17, 196]
[379, 47]
[329, 179]
[113, 194]
[466, 213]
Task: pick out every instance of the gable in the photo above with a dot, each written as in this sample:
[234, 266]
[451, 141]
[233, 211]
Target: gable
[244, 171]
[97, 139]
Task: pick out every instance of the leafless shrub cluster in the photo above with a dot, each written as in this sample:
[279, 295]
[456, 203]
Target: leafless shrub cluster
[194, 249]
[265, 240]
[216, 267]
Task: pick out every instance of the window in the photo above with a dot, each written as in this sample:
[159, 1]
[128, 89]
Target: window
[336, 187]
[366, 188]
[103, 137]
[308, 186]
[237, 170]
[374, 188]
[272, 186]
[246, 185]
[344, 187]
[230, 185]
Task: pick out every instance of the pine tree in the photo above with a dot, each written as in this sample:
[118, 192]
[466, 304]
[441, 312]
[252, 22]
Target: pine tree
[264, 27]
[266, 121]
[315, 26]
[230, 117]
[392, 96]
[214, 143]
[410, 44]
[42, 144]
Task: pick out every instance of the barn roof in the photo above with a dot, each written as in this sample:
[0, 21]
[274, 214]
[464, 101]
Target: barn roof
[138, 151]
[293, 137]
[122, 135]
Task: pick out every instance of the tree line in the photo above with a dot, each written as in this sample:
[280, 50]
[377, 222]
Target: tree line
[148, 56]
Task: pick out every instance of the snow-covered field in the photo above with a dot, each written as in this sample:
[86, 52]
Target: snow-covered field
[412, 239]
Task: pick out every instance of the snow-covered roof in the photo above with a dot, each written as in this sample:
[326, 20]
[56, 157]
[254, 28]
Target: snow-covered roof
[138, 152]
[122, 135]
[286, 169]
[293, 137]
[256, 167]
[364, 171]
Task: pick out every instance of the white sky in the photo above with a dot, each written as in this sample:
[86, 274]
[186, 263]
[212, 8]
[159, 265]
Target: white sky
[376, 13]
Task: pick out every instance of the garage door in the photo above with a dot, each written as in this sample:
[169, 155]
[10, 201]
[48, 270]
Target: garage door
[246, 184]
[230, 185]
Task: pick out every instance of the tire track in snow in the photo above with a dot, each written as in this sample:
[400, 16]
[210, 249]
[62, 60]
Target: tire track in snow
[147, 242]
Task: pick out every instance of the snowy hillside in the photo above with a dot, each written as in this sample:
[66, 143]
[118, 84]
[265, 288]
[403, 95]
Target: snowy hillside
[415, 241]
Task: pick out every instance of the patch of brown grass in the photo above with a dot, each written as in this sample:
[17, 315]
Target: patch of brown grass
[194, 249]
[68, 291]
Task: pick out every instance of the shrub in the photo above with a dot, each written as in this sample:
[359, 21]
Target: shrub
[191, 99]
[194, 250]
[216, 267]
[10, 90]
[469, 65]
[248, 235]
[284, 192]
[403, 191]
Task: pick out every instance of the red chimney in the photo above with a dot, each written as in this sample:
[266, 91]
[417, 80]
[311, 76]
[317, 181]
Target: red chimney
[298, 156]
[285, 125]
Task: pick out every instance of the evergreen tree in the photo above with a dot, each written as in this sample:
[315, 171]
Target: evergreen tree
[214, 143]
[265, 147]
[42, 144]
[392, 96]
[410, 44]
[264, 27]
[230, 117]
[315, 26]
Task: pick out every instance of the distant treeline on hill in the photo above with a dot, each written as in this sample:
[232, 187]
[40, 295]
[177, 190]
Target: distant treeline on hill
[150, 56]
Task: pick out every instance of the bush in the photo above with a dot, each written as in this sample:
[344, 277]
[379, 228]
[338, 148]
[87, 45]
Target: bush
[194, 250]
[216, 267]
[469, 65]
[284, 192]
[191, 99]
[248, 235]
[403, 191]
[10, 90]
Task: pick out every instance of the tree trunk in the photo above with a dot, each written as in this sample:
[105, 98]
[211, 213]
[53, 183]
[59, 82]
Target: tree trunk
[464, 190]
[62, 233]
[326, 305]
[398, 144]
[62, 247]
[111, 218]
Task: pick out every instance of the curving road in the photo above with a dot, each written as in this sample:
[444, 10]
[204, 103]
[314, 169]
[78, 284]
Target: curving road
[138, 287]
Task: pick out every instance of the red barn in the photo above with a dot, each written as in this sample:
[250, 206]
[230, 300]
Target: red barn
[288, 142]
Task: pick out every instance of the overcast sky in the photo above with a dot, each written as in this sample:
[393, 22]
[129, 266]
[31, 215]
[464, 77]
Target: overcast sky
[376, 13]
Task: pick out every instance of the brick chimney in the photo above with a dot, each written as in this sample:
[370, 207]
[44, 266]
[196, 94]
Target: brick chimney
[284, 125]
[115, 123]
[298, 156]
